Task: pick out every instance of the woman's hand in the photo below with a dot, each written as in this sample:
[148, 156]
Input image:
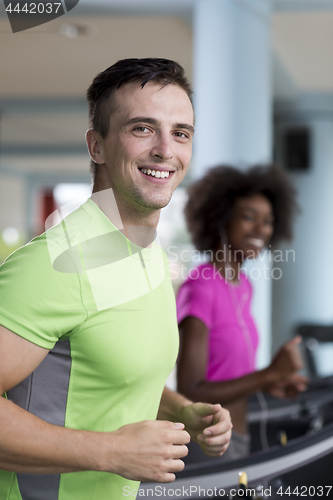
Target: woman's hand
[286, 362]
[289, 388]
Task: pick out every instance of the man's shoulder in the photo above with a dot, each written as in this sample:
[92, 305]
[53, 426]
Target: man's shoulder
[63, 234]
[66, 227]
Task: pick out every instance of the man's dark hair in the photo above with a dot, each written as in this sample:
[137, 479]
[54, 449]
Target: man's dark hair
[99, 93]
[212, 198]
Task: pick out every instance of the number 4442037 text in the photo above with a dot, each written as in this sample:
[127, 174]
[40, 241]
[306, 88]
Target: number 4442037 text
[34, 8]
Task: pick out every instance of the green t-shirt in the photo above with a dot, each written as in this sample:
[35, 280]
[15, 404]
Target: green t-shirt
[105, 308]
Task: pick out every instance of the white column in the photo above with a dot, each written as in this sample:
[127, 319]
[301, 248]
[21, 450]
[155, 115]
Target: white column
[305, 293]
[233, 104]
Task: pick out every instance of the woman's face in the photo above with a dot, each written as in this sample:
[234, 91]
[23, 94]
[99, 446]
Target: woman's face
[251, 226]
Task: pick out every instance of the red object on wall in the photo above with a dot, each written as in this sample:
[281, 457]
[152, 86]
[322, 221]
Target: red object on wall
[48, 206]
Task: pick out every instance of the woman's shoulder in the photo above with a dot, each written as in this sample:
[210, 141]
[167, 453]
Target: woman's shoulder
[202, 280]
[245, 282]
[202, 275]
[196, 296]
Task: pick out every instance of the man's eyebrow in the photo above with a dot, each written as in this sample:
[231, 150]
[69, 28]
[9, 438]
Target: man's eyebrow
[153, 121]
[185, 126]
[138, 119]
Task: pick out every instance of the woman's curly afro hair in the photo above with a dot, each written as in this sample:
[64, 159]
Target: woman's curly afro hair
[211, 200]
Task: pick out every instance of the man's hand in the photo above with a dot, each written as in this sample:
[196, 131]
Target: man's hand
[209, 425]
[147, 451]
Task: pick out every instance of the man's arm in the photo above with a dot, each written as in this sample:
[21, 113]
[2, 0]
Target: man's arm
[148, 451]
[209, 425]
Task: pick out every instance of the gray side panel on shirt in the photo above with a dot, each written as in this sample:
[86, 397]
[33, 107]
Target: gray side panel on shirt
[44, 393]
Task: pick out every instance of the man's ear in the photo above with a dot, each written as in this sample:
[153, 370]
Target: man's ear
[94, 146]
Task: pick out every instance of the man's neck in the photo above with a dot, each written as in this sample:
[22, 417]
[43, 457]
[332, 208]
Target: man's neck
[138, 226]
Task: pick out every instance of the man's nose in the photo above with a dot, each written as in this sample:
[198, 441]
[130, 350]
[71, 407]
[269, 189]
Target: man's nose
[162, 147]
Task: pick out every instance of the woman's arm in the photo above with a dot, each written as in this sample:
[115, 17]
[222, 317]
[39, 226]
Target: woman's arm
[192, 363]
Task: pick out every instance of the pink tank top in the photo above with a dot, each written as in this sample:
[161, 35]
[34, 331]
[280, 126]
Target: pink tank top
[225, 310]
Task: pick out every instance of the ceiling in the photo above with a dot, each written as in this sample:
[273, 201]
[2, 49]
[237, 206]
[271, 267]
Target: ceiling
[43, 62]
[303, 43]
[45, 72]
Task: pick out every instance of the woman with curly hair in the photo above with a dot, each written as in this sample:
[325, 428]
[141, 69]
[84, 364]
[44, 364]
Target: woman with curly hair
[232, 216]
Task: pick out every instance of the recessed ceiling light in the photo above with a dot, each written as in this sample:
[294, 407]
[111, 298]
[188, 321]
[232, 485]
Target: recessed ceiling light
[75, 30]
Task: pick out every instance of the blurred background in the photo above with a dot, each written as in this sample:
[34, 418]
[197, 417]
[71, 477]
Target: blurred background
[262, 72]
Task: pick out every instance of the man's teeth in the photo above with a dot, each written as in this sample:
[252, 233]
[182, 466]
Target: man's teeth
[159, 174]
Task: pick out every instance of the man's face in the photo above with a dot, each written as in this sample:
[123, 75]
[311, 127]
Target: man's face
[149, 144]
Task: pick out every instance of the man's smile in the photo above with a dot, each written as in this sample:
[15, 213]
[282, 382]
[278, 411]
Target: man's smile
[157, 173]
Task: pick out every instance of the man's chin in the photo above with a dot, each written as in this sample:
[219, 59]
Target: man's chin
[156, 204]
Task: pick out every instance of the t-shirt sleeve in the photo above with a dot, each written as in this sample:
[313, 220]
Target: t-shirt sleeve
[38, 302]
[194, 298]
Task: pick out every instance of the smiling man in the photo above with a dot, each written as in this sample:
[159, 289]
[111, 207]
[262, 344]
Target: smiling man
[147, 149]
[89, 332]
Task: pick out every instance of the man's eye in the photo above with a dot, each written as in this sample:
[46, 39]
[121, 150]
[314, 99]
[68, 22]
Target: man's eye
[141, 129]
[182, 135]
